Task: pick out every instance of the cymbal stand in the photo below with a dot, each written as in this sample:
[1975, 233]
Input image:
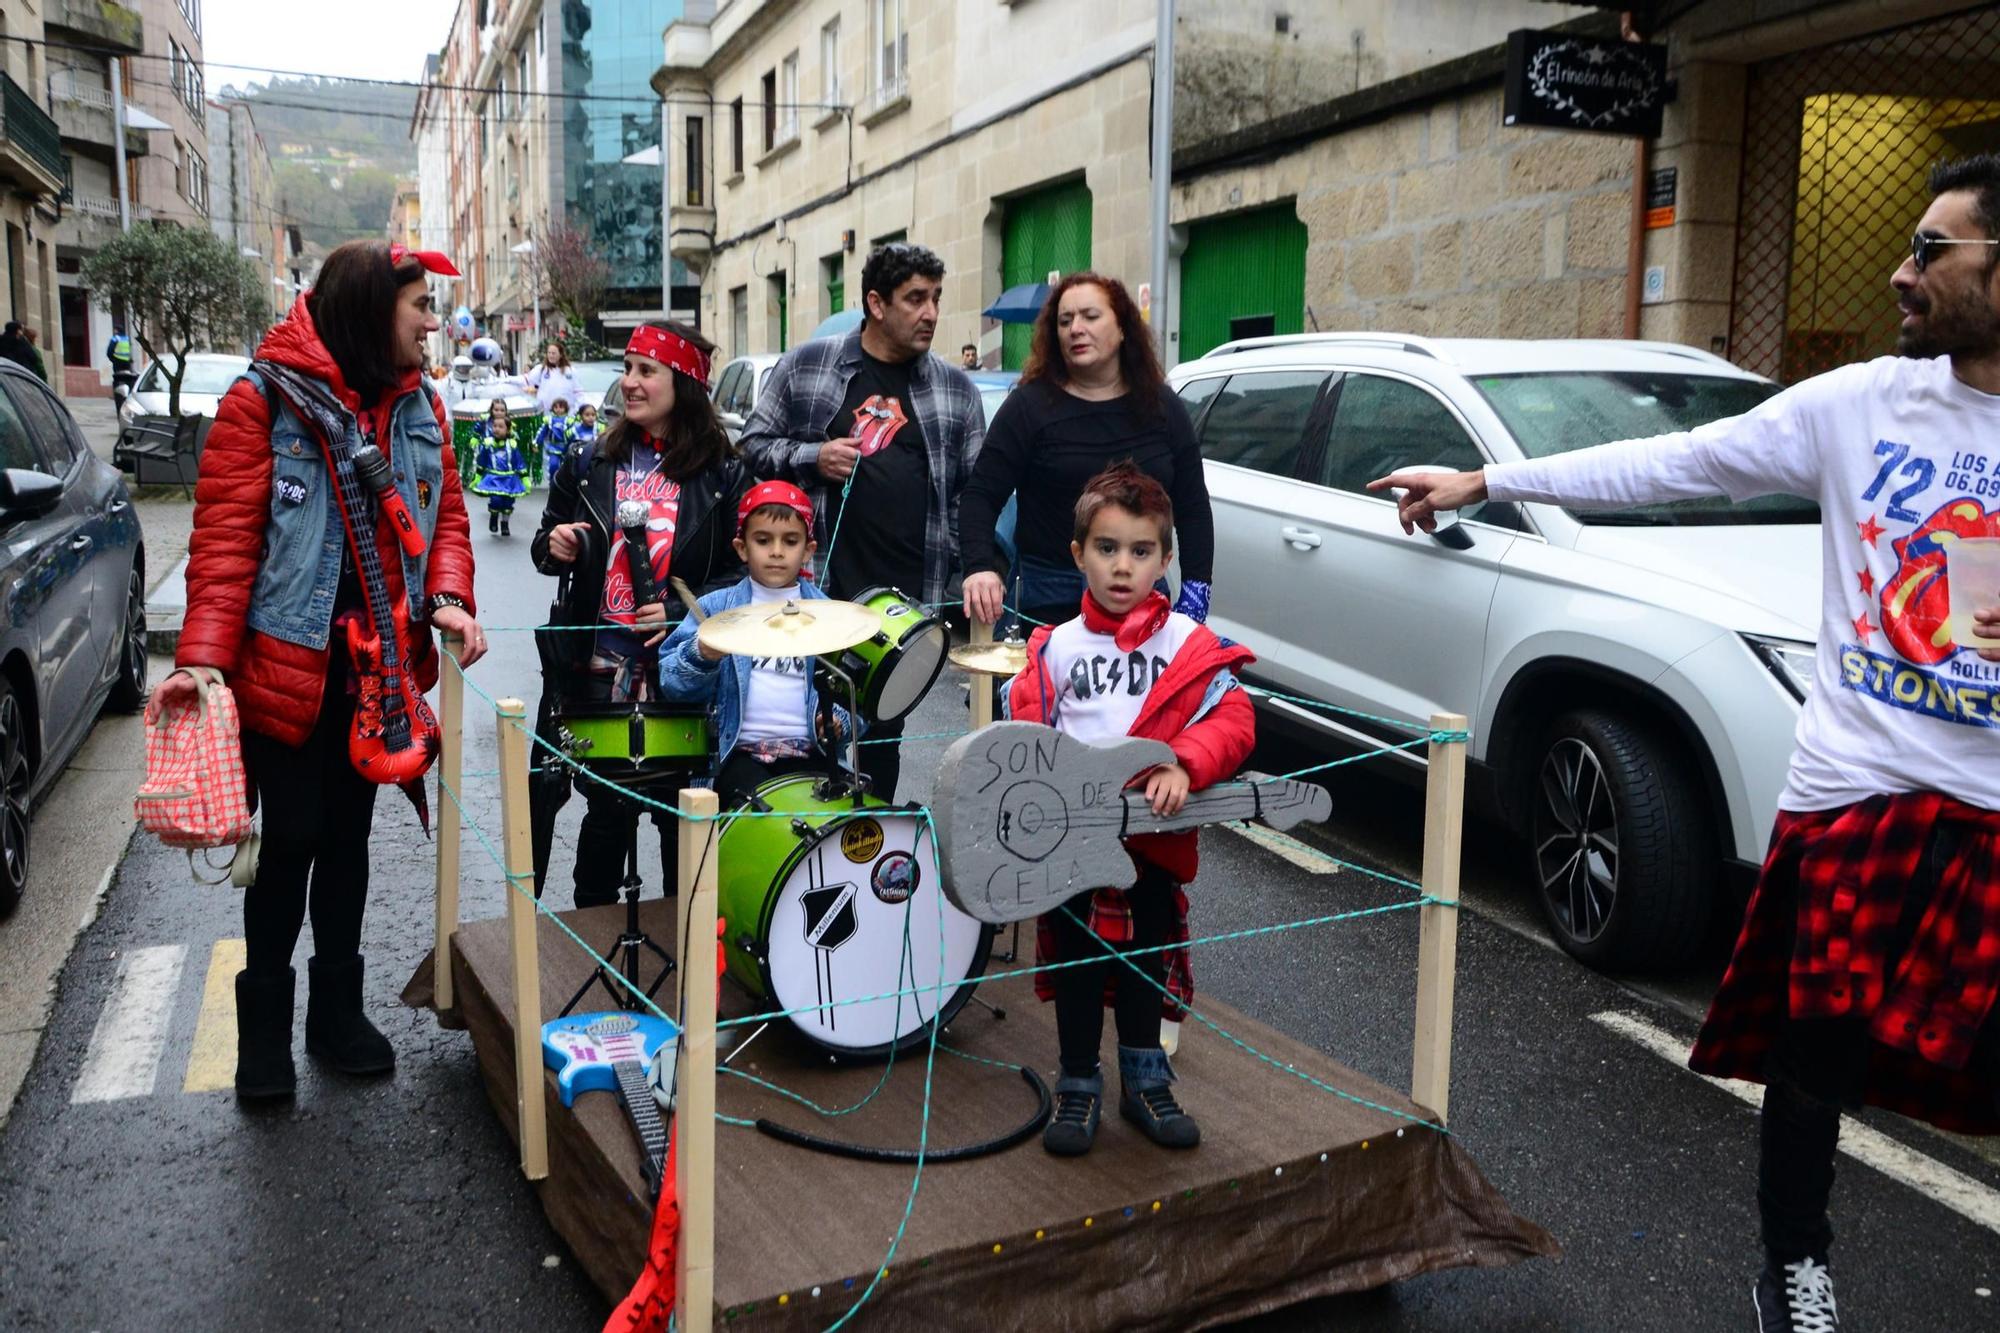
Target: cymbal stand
[632, 941]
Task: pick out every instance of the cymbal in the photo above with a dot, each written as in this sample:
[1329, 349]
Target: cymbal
[1003, 657]
[791, 629]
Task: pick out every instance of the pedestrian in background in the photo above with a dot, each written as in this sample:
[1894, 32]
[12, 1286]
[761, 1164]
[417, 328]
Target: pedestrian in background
[553, 378]
[1869, 959]
[968, 357]
[554, 436]
[500, 468]
[16, 347]
[876, 430]
[1092, 394]
[267, 612]
[669, 452]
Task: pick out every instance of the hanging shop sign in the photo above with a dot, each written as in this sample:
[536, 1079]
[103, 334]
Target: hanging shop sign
[1568, 82]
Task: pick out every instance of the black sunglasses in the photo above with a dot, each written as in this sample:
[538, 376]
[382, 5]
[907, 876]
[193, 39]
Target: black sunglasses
[1923, 249]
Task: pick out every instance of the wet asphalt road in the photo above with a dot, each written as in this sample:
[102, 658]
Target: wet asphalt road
[398, 1204]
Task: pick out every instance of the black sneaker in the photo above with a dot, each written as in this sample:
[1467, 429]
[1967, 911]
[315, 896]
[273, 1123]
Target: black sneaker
[1795, 1298]
[1072, 1129]
[1159, 1116]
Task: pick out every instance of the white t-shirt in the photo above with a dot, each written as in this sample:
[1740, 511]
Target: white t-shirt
[1903, 458]
[550, 383]
[774, 708]
[1099, 687]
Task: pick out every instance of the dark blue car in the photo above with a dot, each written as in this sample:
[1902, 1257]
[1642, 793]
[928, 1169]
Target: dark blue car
[72, 603]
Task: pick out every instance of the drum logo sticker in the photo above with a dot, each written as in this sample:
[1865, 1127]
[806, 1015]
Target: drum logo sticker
[895, 878]
[830, 919]
[895, 610]
[861, 841]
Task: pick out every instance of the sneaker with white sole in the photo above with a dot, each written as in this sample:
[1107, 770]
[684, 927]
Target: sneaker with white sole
[1795, 1298]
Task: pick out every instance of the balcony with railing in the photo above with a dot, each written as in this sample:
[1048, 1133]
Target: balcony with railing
[83, 114]
[103, 22]
[31, 152]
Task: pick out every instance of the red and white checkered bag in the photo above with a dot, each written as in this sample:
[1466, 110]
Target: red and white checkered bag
[195, 794]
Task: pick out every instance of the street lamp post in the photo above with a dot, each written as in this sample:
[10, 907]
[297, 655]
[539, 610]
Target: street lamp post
[527, 248]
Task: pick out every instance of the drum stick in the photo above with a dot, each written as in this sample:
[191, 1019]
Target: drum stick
[688, 599]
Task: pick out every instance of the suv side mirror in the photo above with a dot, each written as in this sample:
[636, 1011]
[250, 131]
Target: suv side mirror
[28, 494]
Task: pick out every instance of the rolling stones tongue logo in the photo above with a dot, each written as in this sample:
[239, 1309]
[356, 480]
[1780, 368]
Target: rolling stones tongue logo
[876, 423]
[1916, 602]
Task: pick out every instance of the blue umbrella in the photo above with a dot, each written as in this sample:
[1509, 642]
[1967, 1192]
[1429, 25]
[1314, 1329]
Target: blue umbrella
[1019, 305]
[840, 325]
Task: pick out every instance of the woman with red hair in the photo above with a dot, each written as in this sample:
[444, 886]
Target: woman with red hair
[1092, 395]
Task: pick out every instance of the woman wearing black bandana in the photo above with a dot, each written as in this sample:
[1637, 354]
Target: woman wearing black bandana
[668, 450]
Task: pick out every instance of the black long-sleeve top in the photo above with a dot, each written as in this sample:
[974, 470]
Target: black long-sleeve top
[1045, 443]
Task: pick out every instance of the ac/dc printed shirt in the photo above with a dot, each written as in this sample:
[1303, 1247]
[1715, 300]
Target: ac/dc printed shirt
[1904, 459]
[878, 536]
[1099, 687]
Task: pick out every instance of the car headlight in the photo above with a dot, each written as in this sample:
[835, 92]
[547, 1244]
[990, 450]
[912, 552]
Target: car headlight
[1789, 660]
[127, 410]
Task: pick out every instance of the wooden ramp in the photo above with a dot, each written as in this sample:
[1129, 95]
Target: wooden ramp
[1294, 1193]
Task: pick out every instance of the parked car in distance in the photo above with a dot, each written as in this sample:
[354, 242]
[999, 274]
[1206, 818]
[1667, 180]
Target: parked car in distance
[207, 378]
[993, 386]
[737, 388]
[1632, 677]
[593, 380]
[73, 576]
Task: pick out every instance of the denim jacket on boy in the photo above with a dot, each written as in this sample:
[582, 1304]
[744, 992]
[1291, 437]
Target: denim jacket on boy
[688, 677]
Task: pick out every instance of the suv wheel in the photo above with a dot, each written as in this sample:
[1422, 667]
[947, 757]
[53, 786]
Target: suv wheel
[16, 776]
[1621, 848]
[128, 691]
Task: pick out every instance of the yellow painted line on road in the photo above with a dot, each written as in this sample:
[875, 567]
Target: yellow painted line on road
[212, 1063]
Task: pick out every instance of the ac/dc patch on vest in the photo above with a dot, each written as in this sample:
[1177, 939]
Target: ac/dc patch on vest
[291, 490]
[423, 495]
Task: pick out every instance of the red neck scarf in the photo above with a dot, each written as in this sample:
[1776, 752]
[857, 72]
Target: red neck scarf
[1136, 626]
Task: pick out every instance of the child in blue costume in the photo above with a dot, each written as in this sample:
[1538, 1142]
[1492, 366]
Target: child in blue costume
[766, 708]
[502, 469]
[554, 436]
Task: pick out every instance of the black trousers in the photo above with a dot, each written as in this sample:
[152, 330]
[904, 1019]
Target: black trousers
[1818, 1069]
[317, 815]
[1080, 990]
[609, 824]
[882, 757]
[742, 773]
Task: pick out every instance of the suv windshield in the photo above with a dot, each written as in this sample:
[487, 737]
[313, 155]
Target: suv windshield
[1556, 413]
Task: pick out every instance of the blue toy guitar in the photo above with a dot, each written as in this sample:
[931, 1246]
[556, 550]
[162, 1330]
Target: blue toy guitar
[614, 1052]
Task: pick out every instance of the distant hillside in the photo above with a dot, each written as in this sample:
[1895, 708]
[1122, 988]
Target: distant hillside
[337, 148]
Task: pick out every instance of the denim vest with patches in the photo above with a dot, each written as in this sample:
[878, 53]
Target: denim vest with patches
[299, 575]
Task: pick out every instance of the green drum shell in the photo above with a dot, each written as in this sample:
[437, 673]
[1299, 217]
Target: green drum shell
[869, 663]
[668, 740]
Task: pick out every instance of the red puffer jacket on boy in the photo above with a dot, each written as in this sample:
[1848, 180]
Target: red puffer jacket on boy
[278, 684]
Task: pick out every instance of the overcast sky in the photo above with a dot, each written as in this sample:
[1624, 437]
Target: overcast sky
[370, 39]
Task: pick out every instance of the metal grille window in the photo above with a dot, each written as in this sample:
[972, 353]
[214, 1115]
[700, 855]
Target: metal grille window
[1838, 143]
[696, 173]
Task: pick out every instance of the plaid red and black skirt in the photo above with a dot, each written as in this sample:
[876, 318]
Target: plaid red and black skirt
[1850, 921]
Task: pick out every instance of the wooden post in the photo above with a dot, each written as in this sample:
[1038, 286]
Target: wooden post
[451, 763]
[982, 686]
[518, 847]
[694, 1100]
[1437, 926]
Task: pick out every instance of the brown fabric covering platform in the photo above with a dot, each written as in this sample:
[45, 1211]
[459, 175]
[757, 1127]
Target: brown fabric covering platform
[1295, 1194]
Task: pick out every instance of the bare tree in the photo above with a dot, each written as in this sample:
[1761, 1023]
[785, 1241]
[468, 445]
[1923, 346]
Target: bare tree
[574, 276]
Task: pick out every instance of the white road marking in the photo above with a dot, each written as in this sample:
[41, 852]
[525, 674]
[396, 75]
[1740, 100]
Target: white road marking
[1283, 844]
[1933, 1179]
[131, 1035]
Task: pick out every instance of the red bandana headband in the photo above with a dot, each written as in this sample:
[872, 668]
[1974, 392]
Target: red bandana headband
[434, 261]
[774, 493]
[669, 349]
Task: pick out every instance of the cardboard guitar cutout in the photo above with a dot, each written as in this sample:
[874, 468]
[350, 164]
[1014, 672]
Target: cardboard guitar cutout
[1028, 818]
[616, 1052]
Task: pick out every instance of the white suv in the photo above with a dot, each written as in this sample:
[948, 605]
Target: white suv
[1632, 677]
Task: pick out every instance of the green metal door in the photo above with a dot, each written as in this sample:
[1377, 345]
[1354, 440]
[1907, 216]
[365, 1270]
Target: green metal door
[1044, 231]
[1242, 276]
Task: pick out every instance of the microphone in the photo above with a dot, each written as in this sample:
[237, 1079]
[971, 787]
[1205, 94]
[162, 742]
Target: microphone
[633, 515]
[374, 469]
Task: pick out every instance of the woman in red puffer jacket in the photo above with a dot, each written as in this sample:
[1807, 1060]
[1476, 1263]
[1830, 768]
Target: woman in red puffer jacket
[269, 583]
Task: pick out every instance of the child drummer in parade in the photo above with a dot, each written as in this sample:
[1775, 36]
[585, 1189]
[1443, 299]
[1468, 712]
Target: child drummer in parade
[1130, 666]
[554, 436]
[502, 470]
[766, 708]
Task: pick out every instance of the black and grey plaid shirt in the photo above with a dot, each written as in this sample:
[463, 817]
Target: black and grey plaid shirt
[786, 428]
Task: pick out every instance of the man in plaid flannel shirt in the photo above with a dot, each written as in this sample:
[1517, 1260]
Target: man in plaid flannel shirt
[1869, 958]
[876, 429]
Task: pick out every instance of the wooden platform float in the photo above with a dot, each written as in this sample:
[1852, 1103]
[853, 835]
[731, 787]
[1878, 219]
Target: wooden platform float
[1296, 1194]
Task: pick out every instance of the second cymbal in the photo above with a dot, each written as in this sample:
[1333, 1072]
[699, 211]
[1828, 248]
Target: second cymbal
[1004, 657]
[789, 629]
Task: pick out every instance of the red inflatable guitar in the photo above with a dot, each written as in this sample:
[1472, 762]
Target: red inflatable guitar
[395, 735]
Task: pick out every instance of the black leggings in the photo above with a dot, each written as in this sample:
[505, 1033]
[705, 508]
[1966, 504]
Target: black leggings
[317, 816]
[603, 837]
[1080, 990]
[742, 773]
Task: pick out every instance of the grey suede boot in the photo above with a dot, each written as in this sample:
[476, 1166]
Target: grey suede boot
[337, 1031]
[1146, 1098]
[1073, 1126]
[264, 1036]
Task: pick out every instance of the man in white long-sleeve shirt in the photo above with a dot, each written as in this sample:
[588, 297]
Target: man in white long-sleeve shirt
[1869, 959]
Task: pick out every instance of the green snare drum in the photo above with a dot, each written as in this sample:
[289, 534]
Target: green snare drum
[839, 901]
[636, 744]
[893, 671]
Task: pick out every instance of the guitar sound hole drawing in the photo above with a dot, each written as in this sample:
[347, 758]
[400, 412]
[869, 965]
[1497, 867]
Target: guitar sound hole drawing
[1028, 818]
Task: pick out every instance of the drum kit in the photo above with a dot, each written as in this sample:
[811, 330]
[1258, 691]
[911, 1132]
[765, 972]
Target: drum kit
[833, 895]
